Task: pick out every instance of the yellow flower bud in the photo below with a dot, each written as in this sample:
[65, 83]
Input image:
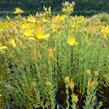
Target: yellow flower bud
[48, 83]
[75, 98]
[71, 84]
[50, 52]
[67, 79]
[13, 43]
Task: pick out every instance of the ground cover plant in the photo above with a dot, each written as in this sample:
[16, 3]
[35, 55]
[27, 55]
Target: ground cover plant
[54, 61]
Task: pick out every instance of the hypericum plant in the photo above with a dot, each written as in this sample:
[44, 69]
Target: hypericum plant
[91, 95]
[69, 85]
[38, 52]
[68, 8]
[91, 91]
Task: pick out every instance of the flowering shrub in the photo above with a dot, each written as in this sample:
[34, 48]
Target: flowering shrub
[41, 53]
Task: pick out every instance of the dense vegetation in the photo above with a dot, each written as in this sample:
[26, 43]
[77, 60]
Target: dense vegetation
[54, 61]
[83, 7]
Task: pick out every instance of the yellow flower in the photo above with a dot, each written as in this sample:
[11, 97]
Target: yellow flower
[45, 20]
[48, 83]
[54, 29]
[91, 83]
[54, 49]
[71, 40]
[58, 19]
[71, 84]
[105, 32]
[12, 43]
[50, 52]
[41, 35]
[31, 38]
[18, 11]
[75, 98]
[2, 47]
[46, 36]
[31, 19]
[6, 24]
[28, 32]
[26, 25]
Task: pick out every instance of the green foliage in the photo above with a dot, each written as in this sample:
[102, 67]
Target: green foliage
[83, 7]
[41, 53]
[103, 17]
